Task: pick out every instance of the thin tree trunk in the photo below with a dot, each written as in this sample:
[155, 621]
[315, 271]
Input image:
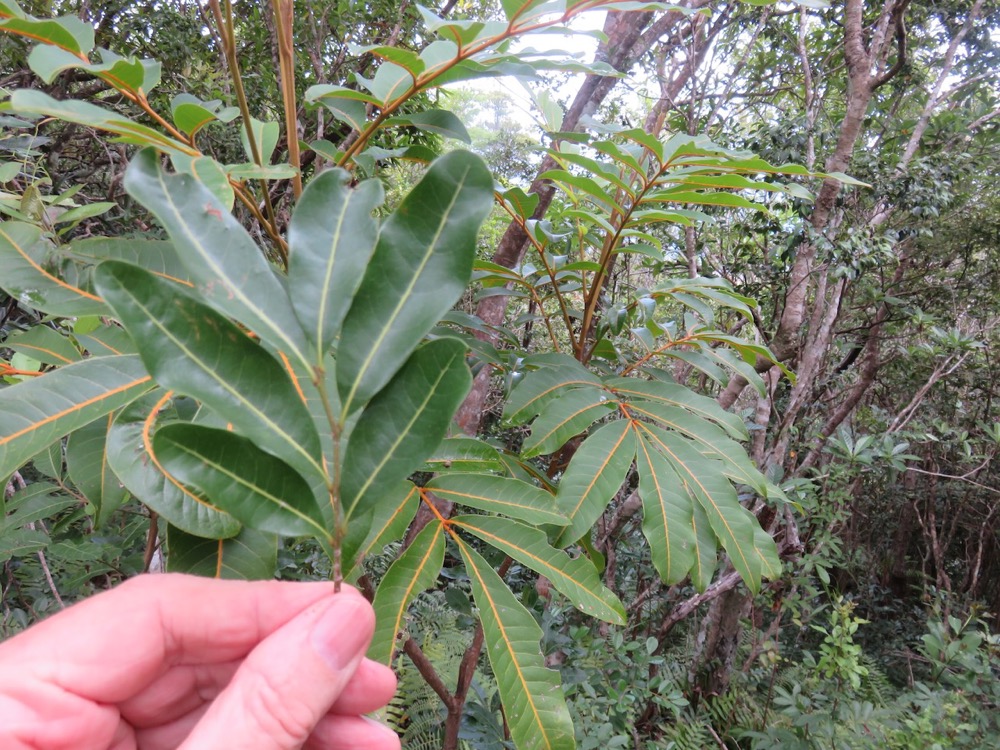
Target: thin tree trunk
[721, 629]
[630, 35]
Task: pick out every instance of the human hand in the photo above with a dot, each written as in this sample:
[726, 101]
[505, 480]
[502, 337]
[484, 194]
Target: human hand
[174, 661]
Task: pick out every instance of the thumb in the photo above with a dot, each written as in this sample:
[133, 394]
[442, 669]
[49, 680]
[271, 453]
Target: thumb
[290, 680]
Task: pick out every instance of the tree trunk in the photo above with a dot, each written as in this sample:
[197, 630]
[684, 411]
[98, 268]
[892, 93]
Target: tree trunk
[630, 35]
[720, 634]
[718, 640]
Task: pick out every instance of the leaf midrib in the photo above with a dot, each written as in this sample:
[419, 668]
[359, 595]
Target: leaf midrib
[496, 501]
[225, 385]
[252, 487]
[331, 261]
[555, 572]
[405, 297]
[526, 692]
[704, 492]
[400, 436]
[214, 266]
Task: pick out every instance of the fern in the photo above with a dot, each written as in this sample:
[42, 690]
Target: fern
[416, 712]
[875, 686]
[688, 734]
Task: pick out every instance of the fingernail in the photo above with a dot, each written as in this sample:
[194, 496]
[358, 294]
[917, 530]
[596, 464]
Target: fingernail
[343, 630]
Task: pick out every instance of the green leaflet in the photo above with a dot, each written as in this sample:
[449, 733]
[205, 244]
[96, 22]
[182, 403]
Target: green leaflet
[465, 454]
[331, 236]
[49, 461]
[380, 524]
[43, 344]
[39, 411]
[30, 101]
[87, 465]
[346, 105]
[531, 694]
[421, 264]
[545, 384]
[732, 524]
[248, 556]
[67, 33]
[265, 135]
[741, 470]
[390, 82]
[36, 502]
[767, 551]
[107, 340]
[706, 557]
[512, 497]
[667, 521]
[131, 457]
[575, 578]
[209, 173]
[231, 472]
[230, 272]
[708, 439]
[21, 543]
[439, 121]
[22, 254]
[414, 571]
[192, 349]
[585, 185]
[594, 475]
[405, 421]
[677, 395]
[568, 415]
[191, 114]
[156, 256]
[129, 74]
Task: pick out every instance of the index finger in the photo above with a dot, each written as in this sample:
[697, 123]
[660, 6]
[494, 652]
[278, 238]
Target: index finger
[111, 646]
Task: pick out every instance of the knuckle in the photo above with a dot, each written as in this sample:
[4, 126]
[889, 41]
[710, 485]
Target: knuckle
[273, 706]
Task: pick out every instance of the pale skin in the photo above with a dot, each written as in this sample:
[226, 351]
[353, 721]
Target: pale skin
[172, 661]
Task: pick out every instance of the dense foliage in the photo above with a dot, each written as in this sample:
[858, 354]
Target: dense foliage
[664, 433]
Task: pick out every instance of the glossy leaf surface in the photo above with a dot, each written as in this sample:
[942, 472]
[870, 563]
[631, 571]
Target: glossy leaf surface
[545, 384]
[249, 556]
[25, 277]
[595, 474]
[231, 273]
[667, 521]
[464, 454]
[703, 479]
[404, 423]
[511, 497]
[421, 265]
[34, 102]
[132, 458]
[567, 416]
[332, 235]
[43, 344]
[677, 395]
[88, 467]
[193, 350]
[379, 524]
